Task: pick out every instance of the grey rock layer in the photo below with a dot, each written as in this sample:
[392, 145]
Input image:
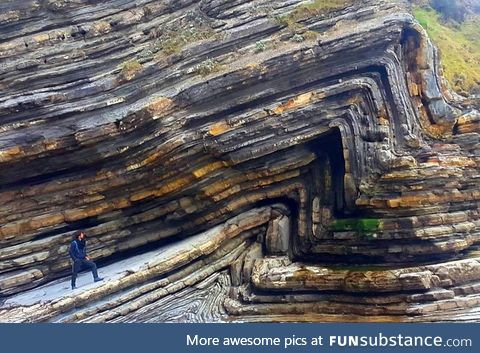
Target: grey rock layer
[209, 140]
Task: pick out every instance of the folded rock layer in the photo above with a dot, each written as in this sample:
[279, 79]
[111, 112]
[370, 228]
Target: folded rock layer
[233, 160]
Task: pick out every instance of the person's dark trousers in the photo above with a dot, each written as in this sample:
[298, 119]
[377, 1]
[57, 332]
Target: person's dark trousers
[77, 267]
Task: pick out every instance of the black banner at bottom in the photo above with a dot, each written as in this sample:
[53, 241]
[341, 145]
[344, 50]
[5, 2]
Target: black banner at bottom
[191, 338]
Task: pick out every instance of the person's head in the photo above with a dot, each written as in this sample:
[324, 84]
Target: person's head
[80, 235]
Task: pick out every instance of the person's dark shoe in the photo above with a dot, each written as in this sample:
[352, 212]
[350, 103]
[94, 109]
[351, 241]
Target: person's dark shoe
[74, 287]
[98, 279]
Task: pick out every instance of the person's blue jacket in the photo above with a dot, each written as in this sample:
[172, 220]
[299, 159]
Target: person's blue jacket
[77, 251]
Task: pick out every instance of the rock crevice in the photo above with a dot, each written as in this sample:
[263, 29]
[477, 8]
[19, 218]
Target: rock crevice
[257, 160]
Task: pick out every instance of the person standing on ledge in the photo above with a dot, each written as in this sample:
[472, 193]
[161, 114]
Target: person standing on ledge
[78, 253]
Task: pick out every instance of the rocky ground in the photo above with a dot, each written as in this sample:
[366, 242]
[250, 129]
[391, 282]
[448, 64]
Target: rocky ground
[234, 160]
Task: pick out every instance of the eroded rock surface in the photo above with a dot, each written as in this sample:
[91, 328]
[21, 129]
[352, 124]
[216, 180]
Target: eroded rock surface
[233, 160]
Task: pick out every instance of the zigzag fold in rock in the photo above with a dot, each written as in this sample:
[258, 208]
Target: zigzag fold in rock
[227, 166]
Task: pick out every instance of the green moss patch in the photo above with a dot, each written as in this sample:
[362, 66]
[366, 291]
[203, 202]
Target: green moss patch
[313, 9]
[361, 225]
[130, 69]
[316, 8]
[207, 67]
[174, 41]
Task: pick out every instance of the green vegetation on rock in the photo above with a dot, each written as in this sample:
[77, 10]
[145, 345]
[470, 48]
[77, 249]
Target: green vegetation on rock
[207, 67]
[315, 8]
[459, 46]
[260, 46]
[130, 69]
[310, 10]
[361, 225]
[173, 42]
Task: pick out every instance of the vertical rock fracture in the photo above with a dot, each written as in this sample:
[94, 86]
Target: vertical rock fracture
[233, 160]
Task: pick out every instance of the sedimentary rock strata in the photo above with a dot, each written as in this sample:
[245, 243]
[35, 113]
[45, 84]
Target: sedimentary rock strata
[233, 160]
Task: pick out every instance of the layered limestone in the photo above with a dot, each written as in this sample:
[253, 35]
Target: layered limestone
[232, 161]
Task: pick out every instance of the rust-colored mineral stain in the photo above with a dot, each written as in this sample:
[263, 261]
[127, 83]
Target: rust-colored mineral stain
[209, 168]
[160, 106]
[295, 103]
[8, 154]
[174, 185]
[219, 128]
[303, 275]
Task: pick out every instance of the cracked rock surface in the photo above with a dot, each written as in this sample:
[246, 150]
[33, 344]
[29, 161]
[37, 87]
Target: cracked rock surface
[233, 161]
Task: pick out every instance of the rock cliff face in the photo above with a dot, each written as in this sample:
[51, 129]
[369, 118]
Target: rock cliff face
[233, 160]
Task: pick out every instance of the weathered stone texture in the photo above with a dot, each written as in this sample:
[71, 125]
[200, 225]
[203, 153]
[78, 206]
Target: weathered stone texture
[255, 160]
